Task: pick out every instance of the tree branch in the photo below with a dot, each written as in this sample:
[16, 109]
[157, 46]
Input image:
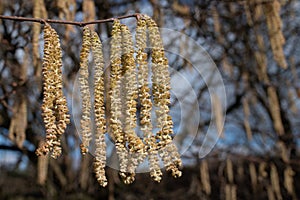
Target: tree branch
[81, 24]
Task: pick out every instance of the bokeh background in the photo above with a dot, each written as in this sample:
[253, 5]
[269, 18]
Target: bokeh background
[252, 43]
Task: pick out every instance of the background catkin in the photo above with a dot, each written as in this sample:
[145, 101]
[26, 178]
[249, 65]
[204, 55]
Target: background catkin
[274, 23]
[116, 125]
[275, 181]
[54, 108]
[18, 123]
[253, 176]
[85, 122]
[289, 180]
[39, 11]
[99, 109]
[204, 174]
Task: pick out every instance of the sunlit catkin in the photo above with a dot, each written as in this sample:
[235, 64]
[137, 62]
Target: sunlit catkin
[289, 180]
[275, 110]
[85, 122]
[116, 126]
[145, 99]
[135, 144]
[54, 108]
[274, 23]
[253, 176]
[229, 170]
[247, 126]
[161, 98]
[204, 174]
[99, 109]
[39, 11]
[275, 181]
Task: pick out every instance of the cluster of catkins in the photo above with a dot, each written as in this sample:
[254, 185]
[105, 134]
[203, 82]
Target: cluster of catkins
[54, 108]
[129, 85]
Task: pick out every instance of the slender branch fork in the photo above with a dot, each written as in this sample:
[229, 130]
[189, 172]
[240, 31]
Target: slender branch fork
[81, 24]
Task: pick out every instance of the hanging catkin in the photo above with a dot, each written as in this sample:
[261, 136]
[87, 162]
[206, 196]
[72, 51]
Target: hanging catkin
[99, 109]
[217, 25]
[289, 180]
[274, 23]
[145, 99]
[116, 125]
[89, 11]
[246, 118]
[217, 113]
[18, 123]
[42, 168]
[275, 181]
[271, 195]
[253, 176]
[54, 108]
[39, 11]
[67, 11]
[275, 110]
[161, 98]
[262, 170]
[284, 153]
[204, 174]
[229, 170]
[85, 122]
[134, 143]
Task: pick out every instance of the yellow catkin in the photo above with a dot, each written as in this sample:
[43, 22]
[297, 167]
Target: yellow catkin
[275, 181]
[246, 118]
[18, 123]
[262, 170]
[89, 11]
[227, 66]
[292, 103]
[275, 110]
[85, 122]
[204, 174]
[240, 171]
[229, 170]
[253, 176]
[217, 25]
[233, 192]
[116, 125]
[54, 108]
[270, 192]
[218, 113]
[289, 181]
[145, 99]
[42, 168]
[283, 151]
[99, 109]
[134, 143]
[247, 7]
[274, 23]
[39, 11]
[161, 98]
[227, 192]
[67, 10]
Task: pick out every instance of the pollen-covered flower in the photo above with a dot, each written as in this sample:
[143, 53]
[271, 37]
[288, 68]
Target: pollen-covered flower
[135, 144]
[85, 121]
[145, 99]
[54, 108]
[161, 97]
[116, 125]
[99, 108]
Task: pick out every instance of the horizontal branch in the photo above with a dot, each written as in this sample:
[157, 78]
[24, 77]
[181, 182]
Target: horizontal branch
[81, 24]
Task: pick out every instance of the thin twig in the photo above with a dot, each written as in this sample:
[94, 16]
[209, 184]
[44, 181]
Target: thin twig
[81, 24]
